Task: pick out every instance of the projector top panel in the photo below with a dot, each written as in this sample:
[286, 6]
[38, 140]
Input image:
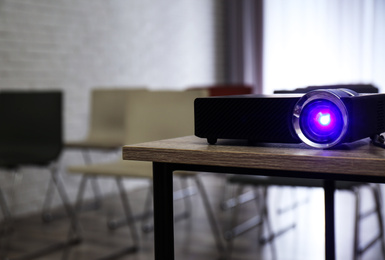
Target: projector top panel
[258, 96]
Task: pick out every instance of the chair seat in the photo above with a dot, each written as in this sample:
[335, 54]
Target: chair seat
[93, 144]
[285, 181]
[118, 168]
[122, 168]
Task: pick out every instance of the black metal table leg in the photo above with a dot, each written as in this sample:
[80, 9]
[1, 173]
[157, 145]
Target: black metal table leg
[329, 188]
[163, 211]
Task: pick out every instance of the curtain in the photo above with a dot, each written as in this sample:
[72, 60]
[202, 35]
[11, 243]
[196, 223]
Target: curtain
[318, 42]
[242, 41]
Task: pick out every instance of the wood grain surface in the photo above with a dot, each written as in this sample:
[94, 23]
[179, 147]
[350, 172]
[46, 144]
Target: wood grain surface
[358, 158]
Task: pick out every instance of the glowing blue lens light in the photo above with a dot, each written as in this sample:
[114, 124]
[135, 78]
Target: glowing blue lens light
[320, 118]
[323, 119]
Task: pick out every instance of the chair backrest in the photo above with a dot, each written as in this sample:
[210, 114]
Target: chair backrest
[30, 126]
[107, 114]
[156, 115]
[228, 89]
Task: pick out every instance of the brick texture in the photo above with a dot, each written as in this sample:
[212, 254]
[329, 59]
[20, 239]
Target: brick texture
[76, 45]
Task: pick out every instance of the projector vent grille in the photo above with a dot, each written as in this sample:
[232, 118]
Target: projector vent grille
[380, 116]
[255, 119]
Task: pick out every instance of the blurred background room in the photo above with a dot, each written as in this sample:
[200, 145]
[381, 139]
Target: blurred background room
[260, 46]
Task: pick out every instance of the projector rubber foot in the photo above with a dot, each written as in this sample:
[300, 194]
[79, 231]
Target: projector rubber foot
[212, 140]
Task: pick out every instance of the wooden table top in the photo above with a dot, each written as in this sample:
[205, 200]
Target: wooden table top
[359, 158]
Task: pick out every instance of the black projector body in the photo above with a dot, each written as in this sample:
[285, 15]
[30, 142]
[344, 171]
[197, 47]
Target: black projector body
[334, 117]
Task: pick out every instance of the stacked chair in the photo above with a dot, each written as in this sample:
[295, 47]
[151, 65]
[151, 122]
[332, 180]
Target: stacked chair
[31, 136]
[263, 215]
[149, 116]
[106, 134]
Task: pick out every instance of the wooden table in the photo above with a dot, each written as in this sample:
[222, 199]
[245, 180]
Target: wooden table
[359, 161]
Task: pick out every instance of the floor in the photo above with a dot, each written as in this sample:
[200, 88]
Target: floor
[193, 239]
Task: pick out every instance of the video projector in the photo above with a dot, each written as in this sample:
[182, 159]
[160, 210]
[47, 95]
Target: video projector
[320, 118]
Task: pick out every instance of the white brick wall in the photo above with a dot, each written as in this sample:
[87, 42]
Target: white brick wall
[75, 45]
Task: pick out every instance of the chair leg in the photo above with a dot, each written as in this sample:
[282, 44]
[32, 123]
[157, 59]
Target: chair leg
[4, 207]
[5, 225]
[185, 192]
[265, 214]
[113, 224]
[226, 185]
[296, 203]
[186, 196]
[74, 233]
[94, 183]
[264, 209]
[129, 220]
[238, 229]
[210, 215]
[231, 233]
[81, 207]
[97, 193]
[360, 250]
[147, 212]
[8, 222]
[46, 214]
[80, 195]
[377, 196]
[75, 227]
[128, 211]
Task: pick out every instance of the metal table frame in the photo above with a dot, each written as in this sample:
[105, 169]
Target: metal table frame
[163, 208]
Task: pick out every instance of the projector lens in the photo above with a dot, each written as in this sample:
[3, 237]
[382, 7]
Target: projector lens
[320, 117]
[321, 121]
